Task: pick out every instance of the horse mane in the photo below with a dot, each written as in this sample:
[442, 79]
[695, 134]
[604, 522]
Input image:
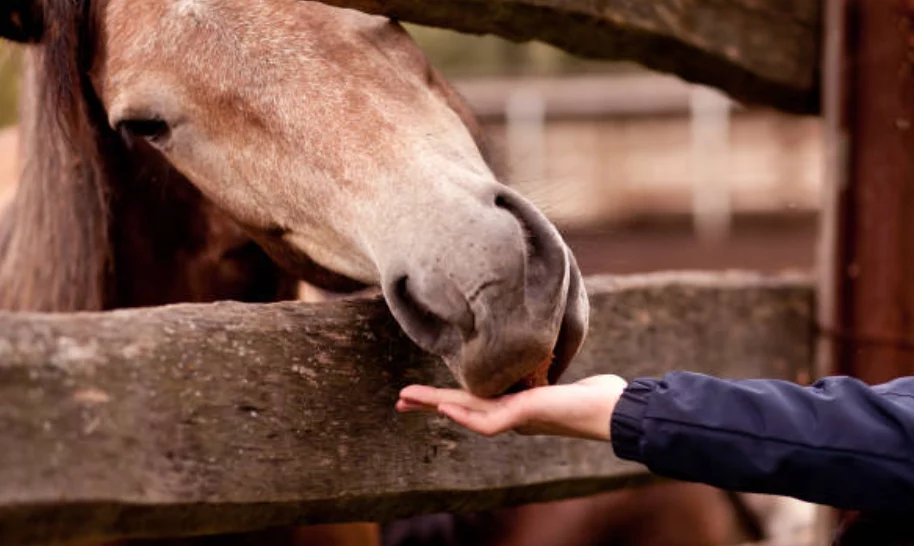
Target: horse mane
[54, 237]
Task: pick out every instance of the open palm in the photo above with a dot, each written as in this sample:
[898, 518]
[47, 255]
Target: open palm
[580, 410]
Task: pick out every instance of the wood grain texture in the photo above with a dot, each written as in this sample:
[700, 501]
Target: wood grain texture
[195, 419]
[759, 51]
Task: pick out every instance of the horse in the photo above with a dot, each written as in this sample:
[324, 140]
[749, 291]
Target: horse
[204, 150]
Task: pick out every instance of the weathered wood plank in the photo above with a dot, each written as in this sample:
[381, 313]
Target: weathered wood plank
[758, 51]
[228, 417]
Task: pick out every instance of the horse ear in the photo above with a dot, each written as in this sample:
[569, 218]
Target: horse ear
[22, 20]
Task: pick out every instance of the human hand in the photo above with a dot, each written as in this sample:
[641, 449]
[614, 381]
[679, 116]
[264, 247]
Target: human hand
[579, 410]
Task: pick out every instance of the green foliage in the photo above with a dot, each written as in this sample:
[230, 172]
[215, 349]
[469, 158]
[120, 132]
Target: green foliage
[9, 84]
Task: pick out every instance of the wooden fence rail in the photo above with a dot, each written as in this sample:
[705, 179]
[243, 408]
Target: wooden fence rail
[194, 419]
[759, 51]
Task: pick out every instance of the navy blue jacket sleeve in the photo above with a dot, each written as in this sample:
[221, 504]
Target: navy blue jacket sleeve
[838, 442]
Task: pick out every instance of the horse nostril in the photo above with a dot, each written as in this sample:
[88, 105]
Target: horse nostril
[544, 250]
[431, 323]
[530, 245]
[430, 315]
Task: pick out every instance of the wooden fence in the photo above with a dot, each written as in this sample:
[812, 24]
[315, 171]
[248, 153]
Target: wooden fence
[228, 417]
[761, 51]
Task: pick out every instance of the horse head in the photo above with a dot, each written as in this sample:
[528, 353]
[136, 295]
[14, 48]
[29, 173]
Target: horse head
[327, 135]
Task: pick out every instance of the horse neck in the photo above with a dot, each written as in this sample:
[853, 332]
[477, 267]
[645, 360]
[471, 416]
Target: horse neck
[170, 244]
[87, 232]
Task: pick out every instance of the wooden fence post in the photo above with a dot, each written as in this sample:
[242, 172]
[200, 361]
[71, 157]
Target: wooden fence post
[867, 299]
[866, 291]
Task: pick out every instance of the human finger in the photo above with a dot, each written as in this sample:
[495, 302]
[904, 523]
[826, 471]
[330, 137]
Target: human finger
[431, 396]
[405, 406]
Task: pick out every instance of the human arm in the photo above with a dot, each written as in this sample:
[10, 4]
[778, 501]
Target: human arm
[837, 442]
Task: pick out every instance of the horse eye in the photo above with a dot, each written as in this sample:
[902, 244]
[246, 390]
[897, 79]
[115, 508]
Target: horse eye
[153, 130]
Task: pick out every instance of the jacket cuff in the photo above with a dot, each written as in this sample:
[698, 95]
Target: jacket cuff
[626, 426]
